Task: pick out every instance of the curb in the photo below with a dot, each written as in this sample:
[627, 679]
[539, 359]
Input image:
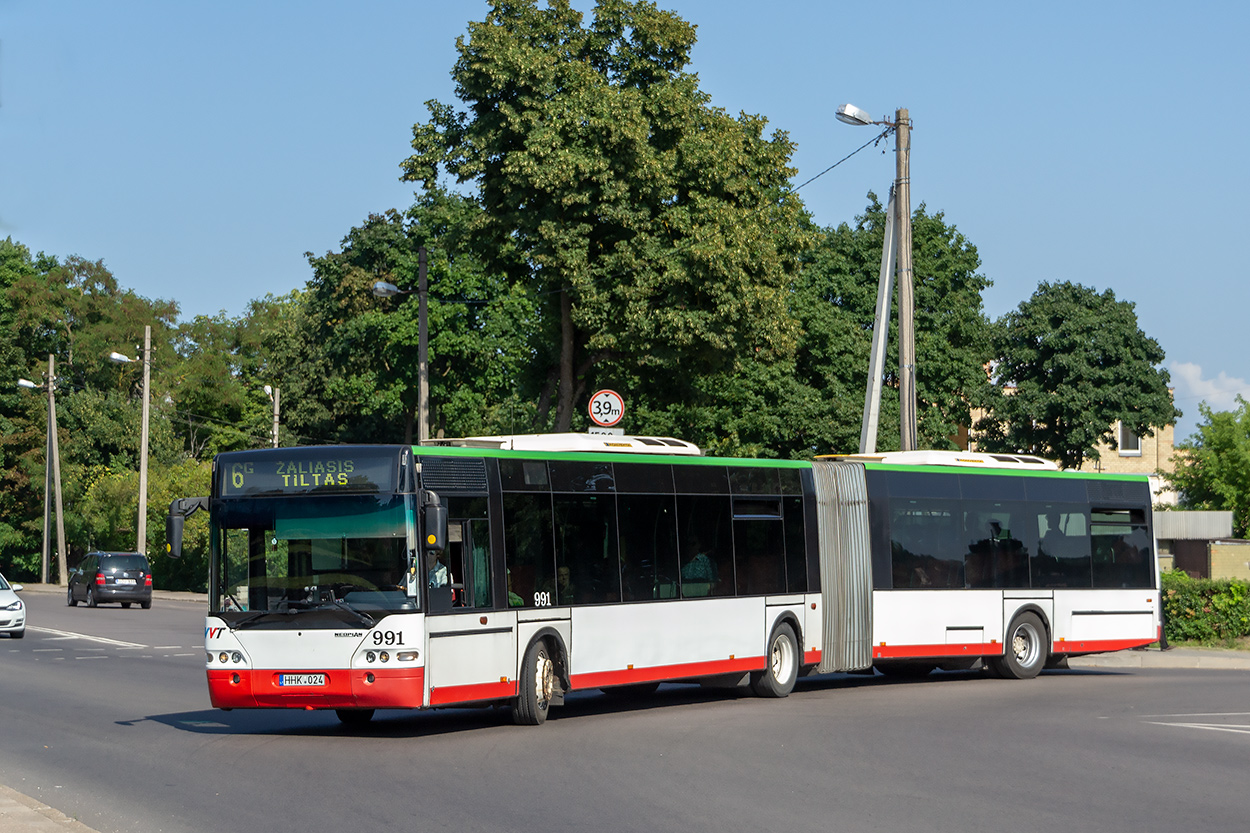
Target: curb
[22, 814]
[168, 595]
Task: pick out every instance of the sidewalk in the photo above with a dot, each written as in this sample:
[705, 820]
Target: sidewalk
[1205, 658]
[172, 595]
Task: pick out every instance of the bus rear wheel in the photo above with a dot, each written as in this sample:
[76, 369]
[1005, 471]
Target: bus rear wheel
[777, 678]
[1024, 652]
[536, 686]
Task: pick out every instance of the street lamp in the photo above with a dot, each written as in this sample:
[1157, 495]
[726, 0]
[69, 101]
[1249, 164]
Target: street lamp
[273, 393]
[382, 289]
[141, 534]
[51, 473]
[901, 201]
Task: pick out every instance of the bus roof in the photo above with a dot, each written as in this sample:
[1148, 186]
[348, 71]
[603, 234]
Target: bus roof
[967, 459]
[615, 443]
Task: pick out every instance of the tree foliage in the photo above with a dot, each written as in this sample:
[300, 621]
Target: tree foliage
[661, 230]
[1213, 466]
[1069, 364]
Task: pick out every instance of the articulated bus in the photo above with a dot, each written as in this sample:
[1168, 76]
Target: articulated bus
[513, 570]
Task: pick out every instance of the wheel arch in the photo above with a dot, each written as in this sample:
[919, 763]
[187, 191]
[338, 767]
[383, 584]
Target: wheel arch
[1036, 610]
[559, 651]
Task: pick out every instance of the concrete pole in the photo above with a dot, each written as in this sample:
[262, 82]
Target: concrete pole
[906, 297]
[276, 393]
[141, 542]
[880, 331]
[47, 480]
[61, 563]
[423, 350]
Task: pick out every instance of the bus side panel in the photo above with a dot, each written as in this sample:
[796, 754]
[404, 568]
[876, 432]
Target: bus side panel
[471, 657]
[1089, 621]
[668, 640]
[937, 623]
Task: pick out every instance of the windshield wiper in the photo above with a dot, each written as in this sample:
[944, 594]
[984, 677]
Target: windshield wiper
[367, 620]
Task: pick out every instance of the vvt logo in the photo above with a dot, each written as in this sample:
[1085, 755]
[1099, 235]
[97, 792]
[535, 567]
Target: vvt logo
[212, 633]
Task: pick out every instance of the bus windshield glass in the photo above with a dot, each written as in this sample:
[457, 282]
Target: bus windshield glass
[346, 555]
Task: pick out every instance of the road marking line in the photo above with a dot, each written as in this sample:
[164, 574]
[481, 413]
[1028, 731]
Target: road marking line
[165, 647]
[72, 635]
[1211, 727]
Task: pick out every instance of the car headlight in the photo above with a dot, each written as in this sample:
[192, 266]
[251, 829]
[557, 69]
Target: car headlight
[17, 605]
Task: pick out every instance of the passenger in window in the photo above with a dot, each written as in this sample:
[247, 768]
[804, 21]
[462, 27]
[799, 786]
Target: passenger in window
[438, 575]
[562, 588]
[698, 575]
[513, 599]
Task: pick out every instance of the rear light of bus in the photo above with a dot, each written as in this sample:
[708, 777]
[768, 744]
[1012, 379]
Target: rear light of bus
[99, 578]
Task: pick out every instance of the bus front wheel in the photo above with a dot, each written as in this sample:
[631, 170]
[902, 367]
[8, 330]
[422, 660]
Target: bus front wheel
[1025, 651]
[536, 686]
[777, 678]
[354, 717]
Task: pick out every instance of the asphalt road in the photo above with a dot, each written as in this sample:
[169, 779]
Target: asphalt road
[104, 716]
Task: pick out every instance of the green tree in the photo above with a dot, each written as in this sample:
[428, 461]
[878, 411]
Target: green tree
[1069, 364]
[661, 231]
[1213, 466]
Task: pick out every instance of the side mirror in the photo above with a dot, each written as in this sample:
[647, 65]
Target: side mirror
[173, 535]
[179, 509]
[435, 527]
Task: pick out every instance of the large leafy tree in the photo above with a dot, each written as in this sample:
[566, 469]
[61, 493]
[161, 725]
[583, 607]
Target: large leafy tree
[482, 330]
[1213, 466]
[1070, 363]
[660, 230]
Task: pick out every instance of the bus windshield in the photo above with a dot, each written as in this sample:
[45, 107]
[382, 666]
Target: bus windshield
[347, 555]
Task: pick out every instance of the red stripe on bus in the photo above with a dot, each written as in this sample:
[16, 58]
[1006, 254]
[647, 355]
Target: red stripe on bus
[1098, 646]
[442, 695]
[392, 688]
[659, 673]
[811, 657]
[985, 649]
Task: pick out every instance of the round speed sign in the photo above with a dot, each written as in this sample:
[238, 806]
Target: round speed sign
[606, 408]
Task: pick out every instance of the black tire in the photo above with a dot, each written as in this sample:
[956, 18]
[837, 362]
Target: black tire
[777, 678]
[354, 717]
[69, 596]
[18, 634]
[145, 605]
[906, 670]
[91, 602]
[632, 690]
[1025, 650]
[126, 605]
[535, 686]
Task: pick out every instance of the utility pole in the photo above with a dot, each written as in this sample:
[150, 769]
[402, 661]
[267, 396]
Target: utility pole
[906, 296]
[276, 394]
[141, 544]
[423, 350]
[52, 476]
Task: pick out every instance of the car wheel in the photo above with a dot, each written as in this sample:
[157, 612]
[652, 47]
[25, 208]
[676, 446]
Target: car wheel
[145, 605]
[91, 602]
[69, 596]
[18, 634]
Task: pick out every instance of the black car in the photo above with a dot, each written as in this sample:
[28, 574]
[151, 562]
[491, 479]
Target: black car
[124, 577]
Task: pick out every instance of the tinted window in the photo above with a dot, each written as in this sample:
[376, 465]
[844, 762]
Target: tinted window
[991, 487]
[529, 550]
[644, 477]
[796, 545]
[926, 543]
[759, 555]
[648, 540]
[1122, 549]
[701, 480]
[123, 562]
[1063, 550]
[567, 476]
[586, 563]
[1055, 489]
[791, 481]
[1000, 538]
[523, 475]
[706, 546]
[754, 481]
[922, 484]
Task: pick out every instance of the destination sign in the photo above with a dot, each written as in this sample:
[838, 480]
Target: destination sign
[329, 470]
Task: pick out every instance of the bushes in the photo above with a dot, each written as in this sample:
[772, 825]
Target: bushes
[1207, 611]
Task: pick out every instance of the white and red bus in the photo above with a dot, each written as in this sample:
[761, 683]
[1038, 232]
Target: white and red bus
[517, 569]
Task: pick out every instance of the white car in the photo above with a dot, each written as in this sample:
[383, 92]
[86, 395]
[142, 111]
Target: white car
[12, 611]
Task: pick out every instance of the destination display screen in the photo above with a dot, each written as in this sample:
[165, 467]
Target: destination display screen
[328, 470]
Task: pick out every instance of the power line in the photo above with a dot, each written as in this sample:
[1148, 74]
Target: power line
[871, 141]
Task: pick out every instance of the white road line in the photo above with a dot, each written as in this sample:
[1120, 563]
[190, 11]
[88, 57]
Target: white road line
[1211, 727]
[72, 635]
[45, 650]
[165, 647]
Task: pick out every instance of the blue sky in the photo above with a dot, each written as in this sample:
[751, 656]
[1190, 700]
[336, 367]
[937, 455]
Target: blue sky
[200, 148]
